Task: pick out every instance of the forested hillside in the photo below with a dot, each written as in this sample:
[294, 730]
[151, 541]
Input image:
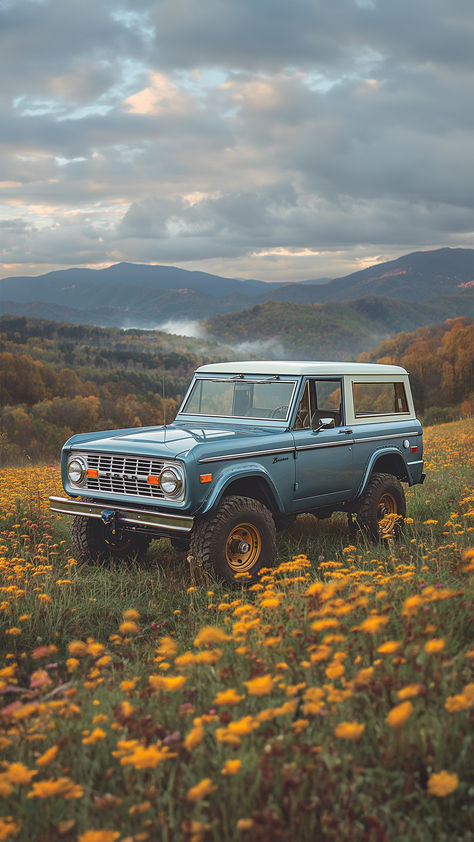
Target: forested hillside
[440, 359]
[58, 379]
[334, 330]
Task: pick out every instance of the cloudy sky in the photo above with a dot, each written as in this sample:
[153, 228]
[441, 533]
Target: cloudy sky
[273, 139]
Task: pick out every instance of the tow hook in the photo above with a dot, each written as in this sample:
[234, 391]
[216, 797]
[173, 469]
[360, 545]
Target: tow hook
[107, 517]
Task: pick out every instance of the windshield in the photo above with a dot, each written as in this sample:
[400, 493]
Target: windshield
[269, 399]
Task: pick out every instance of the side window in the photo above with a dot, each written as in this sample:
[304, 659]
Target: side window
[379, 399]
[328, 399]
[303, 416]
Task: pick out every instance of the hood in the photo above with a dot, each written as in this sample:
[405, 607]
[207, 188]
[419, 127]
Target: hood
[174, 440]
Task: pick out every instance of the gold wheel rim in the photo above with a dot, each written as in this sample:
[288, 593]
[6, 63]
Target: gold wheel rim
[243, 547]
[387, 514]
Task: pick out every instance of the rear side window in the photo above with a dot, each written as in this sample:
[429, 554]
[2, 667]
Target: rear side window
[379, 399]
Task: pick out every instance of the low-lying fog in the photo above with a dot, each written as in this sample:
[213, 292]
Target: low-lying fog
[268, 348]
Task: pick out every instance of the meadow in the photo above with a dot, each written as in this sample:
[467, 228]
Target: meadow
[332, 700]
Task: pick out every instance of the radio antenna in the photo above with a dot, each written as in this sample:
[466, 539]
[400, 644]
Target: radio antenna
[164, 403]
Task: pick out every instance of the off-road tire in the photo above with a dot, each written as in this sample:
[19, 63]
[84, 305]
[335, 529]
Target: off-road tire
[284, 522]
[384, 496]
[94, 543]
[215, 540]
[180, 543]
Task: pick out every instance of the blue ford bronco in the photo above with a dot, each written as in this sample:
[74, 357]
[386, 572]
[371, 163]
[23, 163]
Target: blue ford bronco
[252, 443]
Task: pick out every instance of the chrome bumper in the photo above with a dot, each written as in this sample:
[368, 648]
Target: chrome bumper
[167, 523]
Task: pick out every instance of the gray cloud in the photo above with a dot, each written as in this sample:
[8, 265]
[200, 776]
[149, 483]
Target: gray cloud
[257, 139]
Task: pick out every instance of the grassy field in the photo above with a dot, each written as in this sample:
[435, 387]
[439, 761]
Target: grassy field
[331, 701]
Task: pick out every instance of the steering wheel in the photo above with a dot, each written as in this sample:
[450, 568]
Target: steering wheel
[302, 419]
[280, 409]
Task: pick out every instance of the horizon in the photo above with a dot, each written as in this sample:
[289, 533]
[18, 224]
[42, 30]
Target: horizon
[317, 281]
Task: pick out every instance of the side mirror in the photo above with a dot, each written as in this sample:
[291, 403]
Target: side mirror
[324, 424]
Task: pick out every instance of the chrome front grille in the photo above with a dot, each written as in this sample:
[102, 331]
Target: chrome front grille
[124, 475]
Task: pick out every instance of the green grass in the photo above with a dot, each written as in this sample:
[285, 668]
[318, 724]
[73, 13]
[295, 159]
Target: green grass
[297, 780]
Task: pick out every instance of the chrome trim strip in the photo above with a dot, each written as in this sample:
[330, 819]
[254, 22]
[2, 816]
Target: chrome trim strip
[307, 447]
[385, 438]
[245, 455]
[326, 444]
[142, 517]
[418, 462]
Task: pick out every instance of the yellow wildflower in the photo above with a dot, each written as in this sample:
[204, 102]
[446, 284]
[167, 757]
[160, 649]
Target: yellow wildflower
[242, 726]
[231, 767]
[210, 634]
[17, 773]
[245, 824]
[227, 697]
[434, 646]
[200, 790]
[259, 686]
[146, 758]
[47, 756]
[167, 682]
[334, 670]
[99, 836]
[128, 627]
[389, 647]
[97, 735]
[167, 647]
[77, 648]
[53, 787]
[410, 691]
[442, 783]
[194, 738]
[349, 730]
[8, 828]
[373, 624]
[399, 714]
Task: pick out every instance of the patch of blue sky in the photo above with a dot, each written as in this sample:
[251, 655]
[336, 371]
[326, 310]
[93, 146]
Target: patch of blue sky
[199, 82]
[137, 22]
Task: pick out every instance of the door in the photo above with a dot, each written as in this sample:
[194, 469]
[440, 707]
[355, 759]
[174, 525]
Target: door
[323, 465]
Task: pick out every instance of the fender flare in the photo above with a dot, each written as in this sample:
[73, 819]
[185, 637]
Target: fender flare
[386, 451]
[247, 471]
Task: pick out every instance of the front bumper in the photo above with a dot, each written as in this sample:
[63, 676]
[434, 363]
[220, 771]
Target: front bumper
[160, 522]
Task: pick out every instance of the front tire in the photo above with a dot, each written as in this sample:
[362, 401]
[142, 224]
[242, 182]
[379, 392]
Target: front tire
[240, 537]
[97, 544]
[382, 508]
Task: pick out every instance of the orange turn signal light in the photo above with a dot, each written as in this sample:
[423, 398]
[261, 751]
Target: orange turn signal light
[205, 478]
[151, 480]
[93, 473]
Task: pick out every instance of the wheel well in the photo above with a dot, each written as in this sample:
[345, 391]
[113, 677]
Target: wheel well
[256, 488]
[391, 463]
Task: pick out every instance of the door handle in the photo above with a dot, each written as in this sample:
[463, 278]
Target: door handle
[347, 432]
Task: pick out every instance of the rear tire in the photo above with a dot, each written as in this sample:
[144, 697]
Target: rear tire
[382, 508]
[240, 537]
[96, 543]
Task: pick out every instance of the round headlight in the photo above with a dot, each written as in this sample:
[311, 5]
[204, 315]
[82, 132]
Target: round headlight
[76, 470]
[170, 481]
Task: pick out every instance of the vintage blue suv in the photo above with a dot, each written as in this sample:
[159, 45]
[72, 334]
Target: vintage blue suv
[252, 443]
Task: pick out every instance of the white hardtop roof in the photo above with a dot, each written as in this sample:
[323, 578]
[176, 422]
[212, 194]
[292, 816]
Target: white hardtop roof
[283, 367]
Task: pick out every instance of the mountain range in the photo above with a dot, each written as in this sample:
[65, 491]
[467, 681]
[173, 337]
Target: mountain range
[346, 315]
